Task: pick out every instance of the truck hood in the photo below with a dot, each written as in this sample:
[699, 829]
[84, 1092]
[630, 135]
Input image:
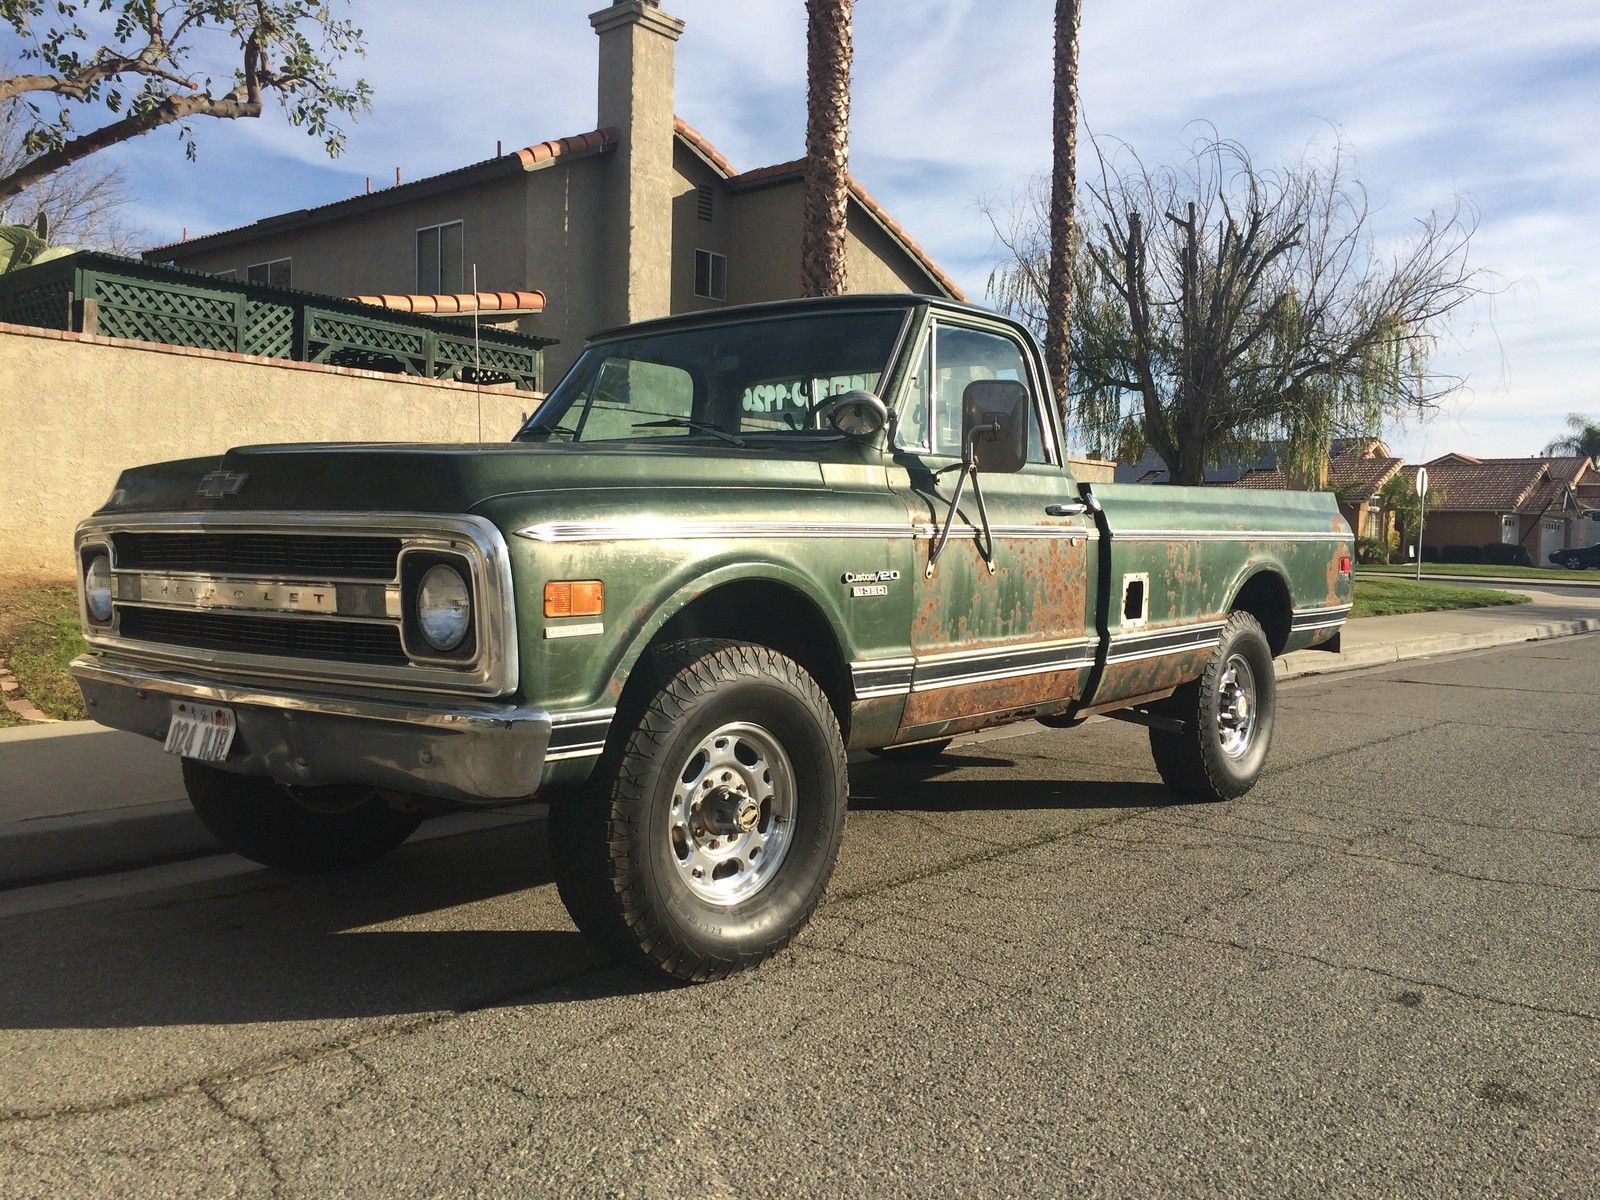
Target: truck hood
[399, 477]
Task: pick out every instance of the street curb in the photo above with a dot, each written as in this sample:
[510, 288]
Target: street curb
[50, 848]
[1572, 579]
[1319, 662]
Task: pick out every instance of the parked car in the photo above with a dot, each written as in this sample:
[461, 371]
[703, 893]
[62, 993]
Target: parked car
[1581, 558]
[726, 549]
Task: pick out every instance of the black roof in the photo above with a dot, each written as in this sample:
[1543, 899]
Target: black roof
[770, 308]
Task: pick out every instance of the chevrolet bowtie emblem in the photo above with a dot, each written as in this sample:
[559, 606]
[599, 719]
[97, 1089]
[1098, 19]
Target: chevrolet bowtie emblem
[219, 484]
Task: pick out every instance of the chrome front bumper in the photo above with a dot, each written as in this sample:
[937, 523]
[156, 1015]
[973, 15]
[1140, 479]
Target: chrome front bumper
[467, 751]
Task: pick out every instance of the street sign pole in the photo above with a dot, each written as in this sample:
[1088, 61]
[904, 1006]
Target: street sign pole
[1422, 513]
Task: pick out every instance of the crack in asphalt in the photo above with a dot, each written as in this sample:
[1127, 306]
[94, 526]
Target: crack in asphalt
[253, 1127]
[1367, 968]
[1349, 852]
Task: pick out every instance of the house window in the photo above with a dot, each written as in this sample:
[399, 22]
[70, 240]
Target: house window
[703, 201]
[440, 263]
[710, 275]
[1508, 530]
[273, 274]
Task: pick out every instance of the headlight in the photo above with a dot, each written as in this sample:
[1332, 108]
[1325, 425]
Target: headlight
[444, 608]
[97, 589]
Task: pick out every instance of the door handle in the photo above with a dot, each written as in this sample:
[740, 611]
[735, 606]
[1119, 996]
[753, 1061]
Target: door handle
[1075, 508]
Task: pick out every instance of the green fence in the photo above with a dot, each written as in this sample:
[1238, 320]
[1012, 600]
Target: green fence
[118, 297]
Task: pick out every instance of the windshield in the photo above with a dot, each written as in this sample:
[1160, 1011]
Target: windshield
[746, 378]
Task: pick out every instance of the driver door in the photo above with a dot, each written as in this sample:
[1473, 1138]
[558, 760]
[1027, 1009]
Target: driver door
[989, 644]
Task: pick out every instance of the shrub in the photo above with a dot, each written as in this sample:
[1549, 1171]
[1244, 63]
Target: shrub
[1462, 554]
[1507, 556]
[1371, 550]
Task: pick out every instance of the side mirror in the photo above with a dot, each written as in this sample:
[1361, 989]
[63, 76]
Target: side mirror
[994, 425]
[854, 414]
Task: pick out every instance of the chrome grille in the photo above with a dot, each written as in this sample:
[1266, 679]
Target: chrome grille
[316, 556]
[313, 596]
[294, 637]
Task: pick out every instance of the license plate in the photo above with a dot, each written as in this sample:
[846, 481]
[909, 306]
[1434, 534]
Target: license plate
[200, 731]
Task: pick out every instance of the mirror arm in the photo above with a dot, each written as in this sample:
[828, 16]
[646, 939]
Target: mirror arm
[968, 467]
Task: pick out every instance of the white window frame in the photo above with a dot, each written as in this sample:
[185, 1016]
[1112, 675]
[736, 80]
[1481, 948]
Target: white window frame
[712, 257]
[267, 266]
[416, 254]
[1508, 530]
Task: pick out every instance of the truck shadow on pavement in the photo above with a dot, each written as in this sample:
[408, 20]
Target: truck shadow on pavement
[448, 925]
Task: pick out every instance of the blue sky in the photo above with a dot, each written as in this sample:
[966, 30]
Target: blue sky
[1497, 102]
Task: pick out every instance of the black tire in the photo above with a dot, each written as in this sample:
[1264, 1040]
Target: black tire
[260, 819]
[1572, 562]
[621, 863]
[1200, 763]
[920, 752]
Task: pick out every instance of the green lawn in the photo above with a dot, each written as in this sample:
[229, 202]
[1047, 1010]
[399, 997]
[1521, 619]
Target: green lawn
[38, 638]
[1478, 569]
[1390, 597]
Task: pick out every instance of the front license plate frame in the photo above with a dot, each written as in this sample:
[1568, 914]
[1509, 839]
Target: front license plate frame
[203, 732]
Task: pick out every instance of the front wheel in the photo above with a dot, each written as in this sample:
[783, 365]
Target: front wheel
[295, 829]
[1228, 715]
[716, 819]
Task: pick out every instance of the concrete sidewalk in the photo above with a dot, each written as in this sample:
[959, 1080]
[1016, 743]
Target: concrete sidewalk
[76, 798]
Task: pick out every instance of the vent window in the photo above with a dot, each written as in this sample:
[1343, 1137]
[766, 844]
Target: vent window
[703, 203]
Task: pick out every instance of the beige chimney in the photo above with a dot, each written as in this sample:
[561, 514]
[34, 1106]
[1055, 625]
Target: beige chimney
[637, 45]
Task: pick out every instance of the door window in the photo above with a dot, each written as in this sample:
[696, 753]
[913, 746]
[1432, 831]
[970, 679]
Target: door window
[952, 358]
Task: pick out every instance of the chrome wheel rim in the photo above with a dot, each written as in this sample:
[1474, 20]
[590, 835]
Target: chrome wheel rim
[732, 817]
[1236, 707]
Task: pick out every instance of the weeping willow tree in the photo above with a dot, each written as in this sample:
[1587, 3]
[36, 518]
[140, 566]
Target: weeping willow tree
[1220, 307]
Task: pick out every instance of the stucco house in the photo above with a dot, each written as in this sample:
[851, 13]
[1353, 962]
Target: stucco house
[1543, 504]
[637, 218]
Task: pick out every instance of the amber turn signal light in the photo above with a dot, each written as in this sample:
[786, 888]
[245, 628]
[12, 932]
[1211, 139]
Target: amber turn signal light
[574, 598]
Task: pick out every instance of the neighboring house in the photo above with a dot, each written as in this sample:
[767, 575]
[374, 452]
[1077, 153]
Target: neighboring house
[1151, 469]
[639, 218]
[1543, 504]
[1357, 471]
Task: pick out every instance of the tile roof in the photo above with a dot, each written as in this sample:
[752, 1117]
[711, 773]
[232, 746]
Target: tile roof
[784, 172]
[1353, 478]
[459, 302]
[1503, 485]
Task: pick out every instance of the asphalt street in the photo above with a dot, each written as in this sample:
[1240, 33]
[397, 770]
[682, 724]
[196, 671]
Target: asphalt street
[1036, 974]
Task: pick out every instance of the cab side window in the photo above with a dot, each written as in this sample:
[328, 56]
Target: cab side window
[963, 356]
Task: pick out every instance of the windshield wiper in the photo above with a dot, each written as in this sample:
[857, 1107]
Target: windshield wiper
[690, 423]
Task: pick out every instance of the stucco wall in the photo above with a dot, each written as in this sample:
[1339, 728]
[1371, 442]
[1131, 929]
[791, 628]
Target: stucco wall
[75, 411]
[377, 251]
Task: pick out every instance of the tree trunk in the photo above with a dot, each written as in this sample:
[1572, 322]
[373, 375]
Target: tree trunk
[1063, 196]
[827, 171]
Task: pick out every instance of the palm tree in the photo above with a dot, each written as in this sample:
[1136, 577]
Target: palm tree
[1063, 197]
[827, 171]
[1583, 440]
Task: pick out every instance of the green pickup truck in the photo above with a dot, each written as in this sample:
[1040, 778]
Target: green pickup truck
[728, 548]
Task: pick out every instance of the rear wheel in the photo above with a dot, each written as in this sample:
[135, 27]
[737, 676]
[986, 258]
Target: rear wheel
[295, 829]
[715, 822]
[1228, 715]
